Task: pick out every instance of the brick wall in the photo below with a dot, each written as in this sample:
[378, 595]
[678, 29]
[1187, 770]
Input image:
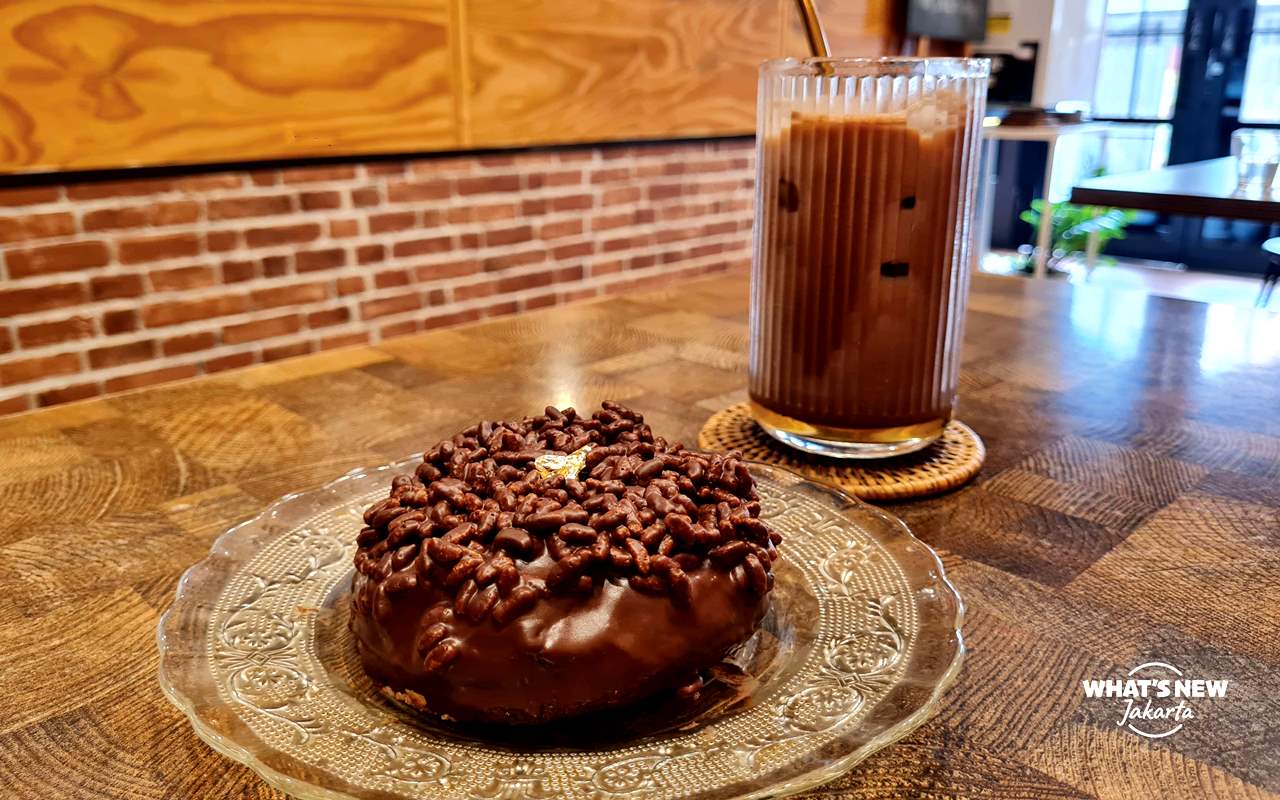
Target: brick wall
[112, 285]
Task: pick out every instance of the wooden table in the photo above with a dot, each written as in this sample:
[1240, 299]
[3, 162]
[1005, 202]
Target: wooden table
[1127, 513]
[1198, 189]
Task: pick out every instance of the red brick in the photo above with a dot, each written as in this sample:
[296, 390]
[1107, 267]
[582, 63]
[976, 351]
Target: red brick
[573, 250]
[14, 405]
[69, 394]
[365, 197]
[417, 192]
[275, 266]
[6, 340]
[313, 260]
[154, 248]
[641, 262]
[435, 297]
[349, 285]
[370, 253]
[286, 351]
[469, 241]
[501, 308]
[221, 241]
[715, 228]
[339, 172]
[622, 243]
[383, 168]
[297, 294]
[140, 379]
[179, 212]
[56, 258]
[533, 206]
[264, 177]
[63, 330]
[492, 212]
[606, 268]
[663, 191]
[516, 283]
[449, 320]
[189, 343]
[569, 274]
[204, 183]
[485, 184]
[471, 291]
[422, 247]
[320, 201]
[175, 312]
[123, 321]
[558, 230]
[707, 249]
[29, 195]
[24, 301]
[393, 221]
[115, 355]
[241, 207]
[401, 328]
[451, 269]
[344, 228]
[607, 221]
[344, 340]
[237, 271]
[619, 195]
[644, 216]
[126, 188]
[262, 329]
[540, 301]
[333, 316]
[495, 263]
[170, 280]
[284, 234]
[34, 369]
[575, 156]
[372, 309]
[501, 236]
[390, 278]
[610, 175]
[233, 361]
[538, 180]
[571, 202]
[36, 226]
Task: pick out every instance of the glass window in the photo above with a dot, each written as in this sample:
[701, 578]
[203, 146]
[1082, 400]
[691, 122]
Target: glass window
[1141, 55]
[1261, 101]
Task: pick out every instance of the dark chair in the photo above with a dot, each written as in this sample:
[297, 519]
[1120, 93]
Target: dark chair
[1269, 278]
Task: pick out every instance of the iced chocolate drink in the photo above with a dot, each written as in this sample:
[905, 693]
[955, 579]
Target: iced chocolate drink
[864, 204]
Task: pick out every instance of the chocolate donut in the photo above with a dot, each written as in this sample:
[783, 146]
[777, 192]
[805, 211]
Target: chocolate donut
[558, 565]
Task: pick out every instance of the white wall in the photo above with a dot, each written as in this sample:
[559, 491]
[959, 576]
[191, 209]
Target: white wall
[1069, 33]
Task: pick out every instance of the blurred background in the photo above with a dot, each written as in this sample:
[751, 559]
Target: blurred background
[187, 188]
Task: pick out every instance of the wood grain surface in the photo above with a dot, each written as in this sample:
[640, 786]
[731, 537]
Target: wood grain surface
[142, 82]
[1129, 510]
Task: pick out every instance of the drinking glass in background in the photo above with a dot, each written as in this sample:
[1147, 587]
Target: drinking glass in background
[865, 189]
[1257, 154]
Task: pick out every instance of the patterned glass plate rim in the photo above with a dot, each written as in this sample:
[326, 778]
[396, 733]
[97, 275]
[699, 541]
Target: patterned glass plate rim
[240, 655]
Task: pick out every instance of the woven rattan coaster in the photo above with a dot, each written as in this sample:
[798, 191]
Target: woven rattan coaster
[943, 465]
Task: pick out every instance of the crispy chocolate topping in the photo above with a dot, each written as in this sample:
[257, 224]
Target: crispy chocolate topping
[569, 527]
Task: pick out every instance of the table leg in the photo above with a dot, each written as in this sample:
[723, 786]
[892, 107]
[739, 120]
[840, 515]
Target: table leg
[1044, 235]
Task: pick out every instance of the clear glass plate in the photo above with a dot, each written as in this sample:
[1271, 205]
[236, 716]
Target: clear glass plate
[862, 639]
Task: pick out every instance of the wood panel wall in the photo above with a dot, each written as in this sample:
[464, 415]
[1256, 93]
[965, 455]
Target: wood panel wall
[116, 83]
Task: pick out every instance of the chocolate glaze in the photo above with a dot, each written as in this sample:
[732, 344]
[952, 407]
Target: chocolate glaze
[603, 639]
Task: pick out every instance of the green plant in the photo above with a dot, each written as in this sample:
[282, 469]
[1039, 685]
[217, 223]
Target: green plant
[1071, 225]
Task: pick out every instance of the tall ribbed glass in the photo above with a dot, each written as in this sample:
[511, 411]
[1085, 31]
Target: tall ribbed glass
[866, 175]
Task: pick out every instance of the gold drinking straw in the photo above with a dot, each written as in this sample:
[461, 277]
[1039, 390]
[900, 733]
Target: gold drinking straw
[813, 30]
